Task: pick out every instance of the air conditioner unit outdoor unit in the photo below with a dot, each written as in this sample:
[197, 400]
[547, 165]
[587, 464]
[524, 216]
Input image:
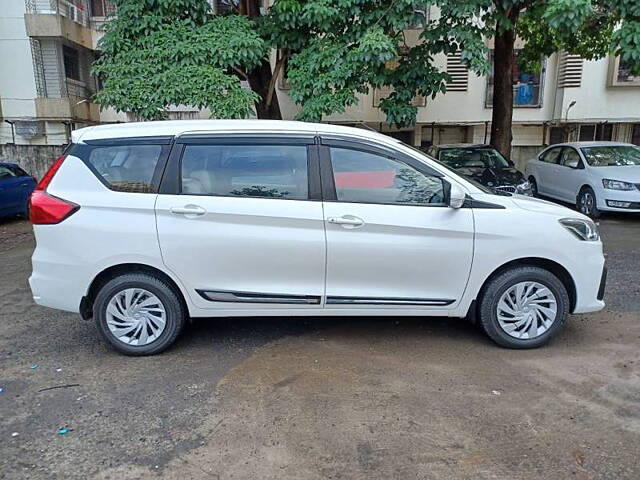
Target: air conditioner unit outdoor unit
[29, 128]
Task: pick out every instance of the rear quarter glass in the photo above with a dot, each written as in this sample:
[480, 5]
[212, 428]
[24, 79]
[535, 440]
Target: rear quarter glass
[126, 166]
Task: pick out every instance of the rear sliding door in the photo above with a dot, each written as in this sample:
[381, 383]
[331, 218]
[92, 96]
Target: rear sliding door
[240, 221]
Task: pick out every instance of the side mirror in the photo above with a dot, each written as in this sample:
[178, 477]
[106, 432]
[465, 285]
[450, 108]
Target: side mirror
[454, 195]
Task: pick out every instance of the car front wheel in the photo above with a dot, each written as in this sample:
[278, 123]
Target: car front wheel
[586, 203]
[139, 314]
[523, 307]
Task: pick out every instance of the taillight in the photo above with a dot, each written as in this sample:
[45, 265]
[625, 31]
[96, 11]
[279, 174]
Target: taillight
[46, 180]
[45, 209]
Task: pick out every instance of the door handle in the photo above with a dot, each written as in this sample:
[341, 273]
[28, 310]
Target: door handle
[24, 184]
[194, 210]
[347, 221]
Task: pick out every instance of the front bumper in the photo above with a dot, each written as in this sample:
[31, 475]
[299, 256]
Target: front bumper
[588, 273]
[603, 283]
[618, 200]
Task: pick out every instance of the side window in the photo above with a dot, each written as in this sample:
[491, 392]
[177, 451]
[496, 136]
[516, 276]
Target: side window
[17, 171]
[570, 158]
[551, 156]
[266, 171]
[364, 177]
[127, 168]
[6, 172]
[20, 172]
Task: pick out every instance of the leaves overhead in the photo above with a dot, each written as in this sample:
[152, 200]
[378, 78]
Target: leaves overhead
[158, 53]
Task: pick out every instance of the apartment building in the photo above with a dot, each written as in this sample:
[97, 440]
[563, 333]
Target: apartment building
[570, 99]
[47, 47]
[46, 50]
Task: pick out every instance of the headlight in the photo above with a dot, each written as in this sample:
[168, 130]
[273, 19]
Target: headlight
[583, 229]
[524, 188]
[617, 184]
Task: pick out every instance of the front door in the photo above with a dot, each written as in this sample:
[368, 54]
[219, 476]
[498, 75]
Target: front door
[244, 227]
[391, 240]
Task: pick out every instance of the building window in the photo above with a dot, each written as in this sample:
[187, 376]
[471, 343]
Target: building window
[635, 134]
[420, 16]
[527, 86]
[71, 58]
[556, 135]
[602, 131]
[102, 8]
[620, 74]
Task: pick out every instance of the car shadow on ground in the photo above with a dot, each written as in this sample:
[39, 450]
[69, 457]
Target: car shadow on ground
[252, 332]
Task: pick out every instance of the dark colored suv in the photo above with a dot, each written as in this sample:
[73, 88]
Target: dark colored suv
[484, 164]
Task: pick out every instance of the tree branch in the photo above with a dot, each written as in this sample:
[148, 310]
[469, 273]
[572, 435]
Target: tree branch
[241, 73]
[274, 78]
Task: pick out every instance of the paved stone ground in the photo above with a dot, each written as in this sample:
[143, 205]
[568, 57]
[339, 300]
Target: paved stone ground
[343, 398]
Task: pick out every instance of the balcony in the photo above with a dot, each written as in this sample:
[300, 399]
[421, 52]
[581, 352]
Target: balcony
[73, 104]
[65, 19]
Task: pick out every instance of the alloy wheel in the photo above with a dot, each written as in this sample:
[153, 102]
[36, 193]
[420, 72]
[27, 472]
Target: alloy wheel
[587, 203]
[136, 316]
[526, 310]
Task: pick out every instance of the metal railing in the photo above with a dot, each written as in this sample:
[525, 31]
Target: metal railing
[77, 90]
[75, 10]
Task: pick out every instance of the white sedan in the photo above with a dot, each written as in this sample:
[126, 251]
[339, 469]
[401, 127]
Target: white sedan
[596, 176]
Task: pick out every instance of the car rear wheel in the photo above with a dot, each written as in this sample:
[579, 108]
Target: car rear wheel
[586, 203]
[139, 314]
[534, 186]
[523, 307]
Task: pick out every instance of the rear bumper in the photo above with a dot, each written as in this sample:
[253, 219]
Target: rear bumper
[56, 286]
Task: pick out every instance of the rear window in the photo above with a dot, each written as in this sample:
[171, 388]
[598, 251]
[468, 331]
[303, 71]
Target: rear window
[126, 168]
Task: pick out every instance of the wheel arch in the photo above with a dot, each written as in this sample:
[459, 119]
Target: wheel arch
[583, 187]
[554, 267]
[86, 304]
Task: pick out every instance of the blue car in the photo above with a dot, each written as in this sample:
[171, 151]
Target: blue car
[16, 186]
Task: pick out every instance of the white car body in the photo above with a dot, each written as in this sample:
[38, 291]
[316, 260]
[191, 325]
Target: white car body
[561, 182]
[404, 260]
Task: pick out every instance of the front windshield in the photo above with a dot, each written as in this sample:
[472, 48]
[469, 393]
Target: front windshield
[473, 158]
[479, 186]
[612, 156]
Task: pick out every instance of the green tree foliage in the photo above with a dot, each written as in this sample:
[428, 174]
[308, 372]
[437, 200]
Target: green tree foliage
[158, 53]
[345, 47]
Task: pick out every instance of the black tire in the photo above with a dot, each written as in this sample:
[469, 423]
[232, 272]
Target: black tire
[496, 286]
[534, 186]
[587, 204]
[174, 311]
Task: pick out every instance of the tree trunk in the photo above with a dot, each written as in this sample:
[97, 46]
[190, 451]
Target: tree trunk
[259, 81]
[261, 77]
[503, 62]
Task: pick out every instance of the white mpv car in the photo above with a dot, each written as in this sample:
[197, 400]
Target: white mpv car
[596, 176]
[142, 226]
